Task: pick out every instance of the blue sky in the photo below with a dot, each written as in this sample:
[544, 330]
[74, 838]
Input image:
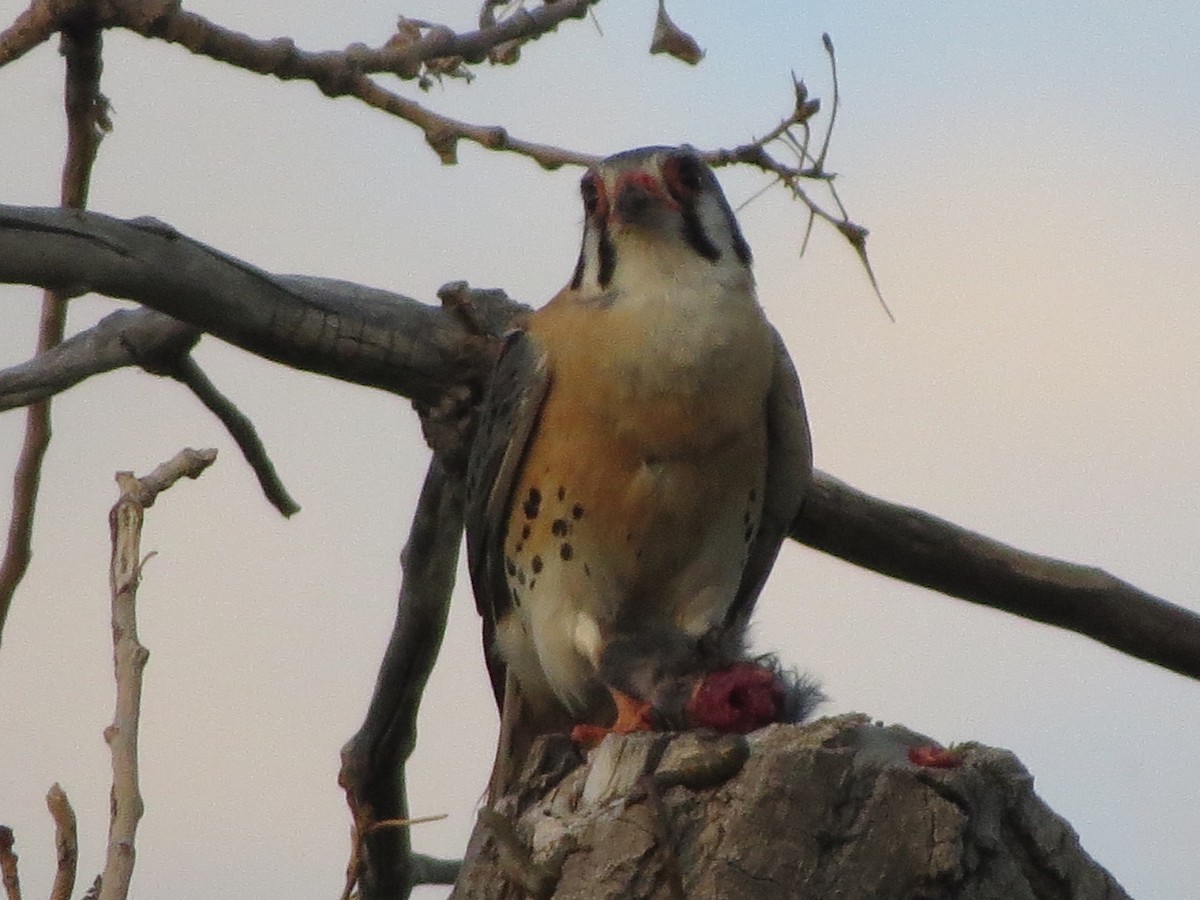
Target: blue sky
[1028, 173]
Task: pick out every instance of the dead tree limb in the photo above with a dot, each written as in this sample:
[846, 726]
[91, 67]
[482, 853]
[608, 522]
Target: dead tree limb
[439, 358]
[129, 657]
[368, 336]
[402, 56]
[841, 807]
[66, 843]
[159, 344]
[87, 121]
[920, 548]
[8, 865]
[188, 372]
[126, 337]
[372, 774]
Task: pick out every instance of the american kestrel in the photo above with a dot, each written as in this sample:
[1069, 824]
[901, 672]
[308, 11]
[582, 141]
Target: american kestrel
[642, 452]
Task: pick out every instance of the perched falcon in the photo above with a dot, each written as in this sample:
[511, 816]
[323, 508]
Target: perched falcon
[641, 454]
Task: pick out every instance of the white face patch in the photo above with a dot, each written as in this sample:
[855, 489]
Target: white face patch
[687, 224]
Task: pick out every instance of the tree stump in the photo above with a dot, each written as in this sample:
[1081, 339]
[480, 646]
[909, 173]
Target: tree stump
[837, 808]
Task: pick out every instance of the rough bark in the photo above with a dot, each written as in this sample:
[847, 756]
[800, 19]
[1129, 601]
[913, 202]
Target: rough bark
[831, 809]
[440, 356]
[382, 864]
[368, 336]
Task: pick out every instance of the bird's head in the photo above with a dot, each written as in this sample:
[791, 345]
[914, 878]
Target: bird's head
[660, 203]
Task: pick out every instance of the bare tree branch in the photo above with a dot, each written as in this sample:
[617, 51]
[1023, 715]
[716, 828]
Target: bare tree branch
[433, 870]
[917, 547]
[279, 56]
[129, 657]
[439, 357]
[410, 52]
[65, 842]
[87, 120]
[443, 133]
[159, 344]
[373, 759]
[242, 431]
[368, 336]
[30, 29]
[127, 337]
[8, 864]
[335, 73]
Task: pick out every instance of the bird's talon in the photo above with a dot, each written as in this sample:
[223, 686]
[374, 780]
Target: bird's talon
[588, 737]
[632, 715]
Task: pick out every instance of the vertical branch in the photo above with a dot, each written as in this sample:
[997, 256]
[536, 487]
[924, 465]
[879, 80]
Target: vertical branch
[8, 864]
[372, 774]
[87, 121]
[65, 843]
[129, 659]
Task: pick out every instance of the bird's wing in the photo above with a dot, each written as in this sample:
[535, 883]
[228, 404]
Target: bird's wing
[508, 416]
[789, 472]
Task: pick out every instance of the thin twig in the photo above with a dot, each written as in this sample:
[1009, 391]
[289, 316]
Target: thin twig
[239, 426]
[827, 41]
[87, 120]
[405, 823]
[443, 133]
[419, 48]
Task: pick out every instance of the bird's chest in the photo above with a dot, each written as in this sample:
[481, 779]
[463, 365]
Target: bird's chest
[665, 378]
[641, 490]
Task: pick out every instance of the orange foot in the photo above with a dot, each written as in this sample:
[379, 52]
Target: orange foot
[632, 715]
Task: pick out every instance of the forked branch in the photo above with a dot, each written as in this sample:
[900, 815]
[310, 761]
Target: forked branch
[428, 354]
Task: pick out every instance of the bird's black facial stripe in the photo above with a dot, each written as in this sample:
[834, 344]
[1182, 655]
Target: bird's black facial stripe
[740, 248]
[696, 236]
[608, 258]
[577, 278]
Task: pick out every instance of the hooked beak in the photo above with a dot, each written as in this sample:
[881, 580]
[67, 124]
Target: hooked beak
[640, 200]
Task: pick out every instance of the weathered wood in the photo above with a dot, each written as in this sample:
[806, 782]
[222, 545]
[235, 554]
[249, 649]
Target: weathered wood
[917, 547]
[831, 809]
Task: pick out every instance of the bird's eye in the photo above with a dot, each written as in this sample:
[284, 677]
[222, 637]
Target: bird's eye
[589, 187]
[684, 175]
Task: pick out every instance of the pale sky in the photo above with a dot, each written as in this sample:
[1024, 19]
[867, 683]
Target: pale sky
[1029, 175]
